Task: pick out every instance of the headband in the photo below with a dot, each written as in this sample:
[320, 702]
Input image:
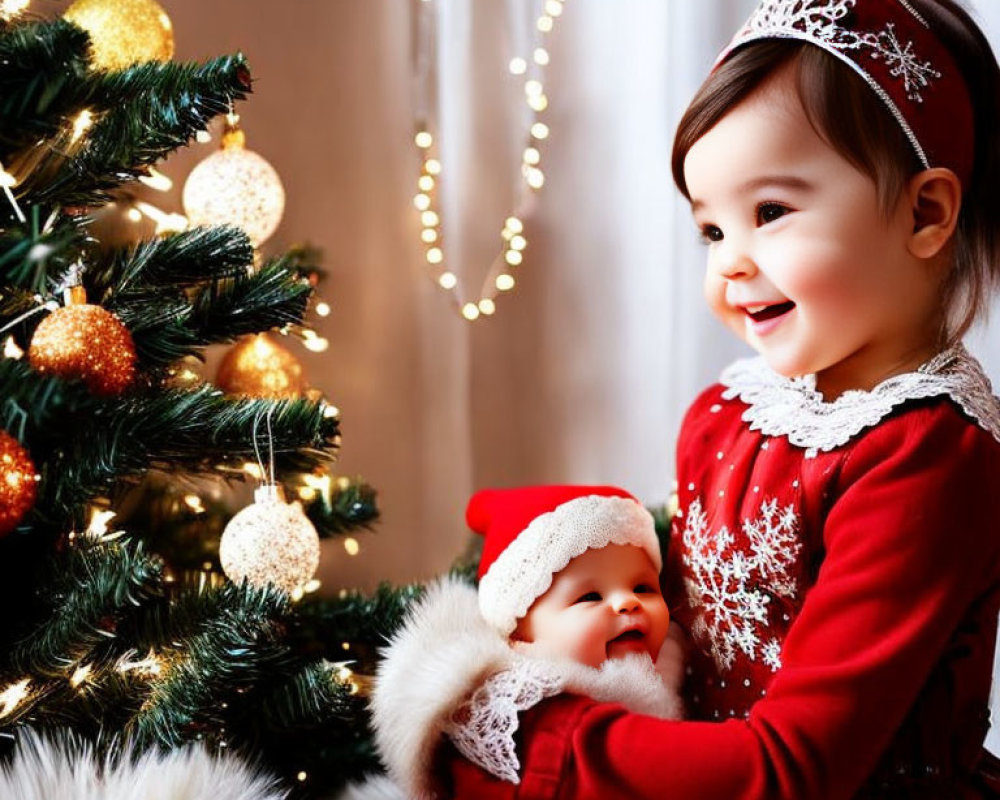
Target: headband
[895, 51]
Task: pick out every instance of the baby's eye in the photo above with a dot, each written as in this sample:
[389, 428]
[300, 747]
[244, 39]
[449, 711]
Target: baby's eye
[710, 233]
[769, 212]
[645, 588]
[589, 597]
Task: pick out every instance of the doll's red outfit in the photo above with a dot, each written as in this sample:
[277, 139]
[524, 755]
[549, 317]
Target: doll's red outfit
[451, 690]
[837, 568]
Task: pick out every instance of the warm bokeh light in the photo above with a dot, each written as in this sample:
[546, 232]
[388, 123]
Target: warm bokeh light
[124, 32]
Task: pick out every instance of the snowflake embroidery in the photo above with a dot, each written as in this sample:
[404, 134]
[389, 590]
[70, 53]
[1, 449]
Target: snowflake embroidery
[772, 655]
[733, 587]
[902, 62]
[820, 21]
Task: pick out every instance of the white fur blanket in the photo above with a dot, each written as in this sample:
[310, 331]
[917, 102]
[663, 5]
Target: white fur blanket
[62, 767]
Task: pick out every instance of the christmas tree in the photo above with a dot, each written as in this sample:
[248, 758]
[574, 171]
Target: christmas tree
[122, 628]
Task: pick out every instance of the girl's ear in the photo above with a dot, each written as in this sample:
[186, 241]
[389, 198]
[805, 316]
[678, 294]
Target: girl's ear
[935, 197]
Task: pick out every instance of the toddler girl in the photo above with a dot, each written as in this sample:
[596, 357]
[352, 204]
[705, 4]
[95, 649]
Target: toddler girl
[835, 559]
[570, 576]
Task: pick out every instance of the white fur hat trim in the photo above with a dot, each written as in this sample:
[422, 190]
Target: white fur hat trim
[523, 571]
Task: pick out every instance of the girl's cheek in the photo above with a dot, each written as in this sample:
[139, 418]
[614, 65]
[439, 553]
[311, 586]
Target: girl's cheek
[714, 291]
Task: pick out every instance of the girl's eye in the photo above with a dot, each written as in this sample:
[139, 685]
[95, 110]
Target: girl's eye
[589, 597]
[644, 588]
[769, 212]
[710, 233]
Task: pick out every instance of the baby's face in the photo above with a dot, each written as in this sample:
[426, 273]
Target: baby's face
[605, 604]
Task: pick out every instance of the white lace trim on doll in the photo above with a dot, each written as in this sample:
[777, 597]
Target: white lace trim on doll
[779, 406]
[483, 727]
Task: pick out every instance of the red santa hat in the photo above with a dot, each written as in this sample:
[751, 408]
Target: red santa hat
[532, 532]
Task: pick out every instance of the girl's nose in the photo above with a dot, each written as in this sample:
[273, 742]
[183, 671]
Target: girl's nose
[732, 261]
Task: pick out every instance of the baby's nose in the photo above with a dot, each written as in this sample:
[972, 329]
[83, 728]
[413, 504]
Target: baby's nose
[627, 603]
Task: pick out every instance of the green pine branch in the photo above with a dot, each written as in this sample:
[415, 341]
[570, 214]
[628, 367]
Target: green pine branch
[194, 431]
[314, 725]
[167, 327]
[182, 259]
[311, 696]
[14, 302]
[43, 68]
[275, 293]
[352, 506]
[46, 406]
[96, 585]
[238, 649]
[142, 113]
[30, 257]
[354, 617]
[186, 609]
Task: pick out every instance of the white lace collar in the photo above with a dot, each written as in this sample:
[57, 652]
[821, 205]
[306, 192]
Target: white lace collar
[779, 406]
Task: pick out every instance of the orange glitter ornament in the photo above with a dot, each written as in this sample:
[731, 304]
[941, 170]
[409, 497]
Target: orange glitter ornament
[85, 342]
[257, 367]
[17, 482]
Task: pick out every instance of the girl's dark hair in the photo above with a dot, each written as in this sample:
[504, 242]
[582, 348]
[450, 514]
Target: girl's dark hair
[852, 118]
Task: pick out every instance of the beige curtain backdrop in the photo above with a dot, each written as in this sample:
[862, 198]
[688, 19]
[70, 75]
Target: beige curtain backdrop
[585, 370]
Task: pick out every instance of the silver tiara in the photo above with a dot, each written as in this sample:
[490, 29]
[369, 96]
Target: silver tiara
[820, 22]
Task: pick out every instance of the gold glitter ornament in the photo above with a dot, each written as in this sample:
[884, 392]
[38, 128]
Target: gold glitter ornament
[124, 32]
[85, 342]
[258, 367]
[270, 541]
[235, 186]
[17, 483]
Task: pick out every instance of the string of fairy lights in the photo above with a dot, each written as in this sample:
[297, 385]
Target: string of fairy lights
[500, 276]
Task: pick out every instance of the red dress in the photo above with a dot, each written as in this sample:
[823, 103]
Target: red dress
[837, 568]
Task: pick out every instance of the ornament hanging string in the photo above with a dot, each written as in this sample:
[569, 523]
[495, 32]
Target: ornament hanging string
[270, 447]
[270, 541]
[48, 305]
[73, 277]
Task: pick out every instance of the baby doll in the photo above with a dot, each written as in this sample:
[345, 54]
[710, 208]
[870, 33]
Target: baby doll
[568, 602]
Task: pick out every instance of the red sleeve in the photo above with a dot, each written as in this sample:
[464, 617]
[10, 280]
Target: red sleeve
[910, 546]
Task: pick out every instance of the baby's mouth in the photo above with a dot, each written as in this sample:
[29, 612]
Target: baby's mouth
[630, 641]
[762, 313]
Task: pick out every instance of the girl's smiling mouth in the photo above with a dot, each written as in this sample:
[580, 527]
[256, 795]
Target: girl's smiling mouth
[762, 313]
[762, 319]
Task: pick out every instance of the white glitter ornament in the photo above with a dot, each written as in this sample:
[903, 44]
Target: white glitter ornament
[270, 541]
[235, 186]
